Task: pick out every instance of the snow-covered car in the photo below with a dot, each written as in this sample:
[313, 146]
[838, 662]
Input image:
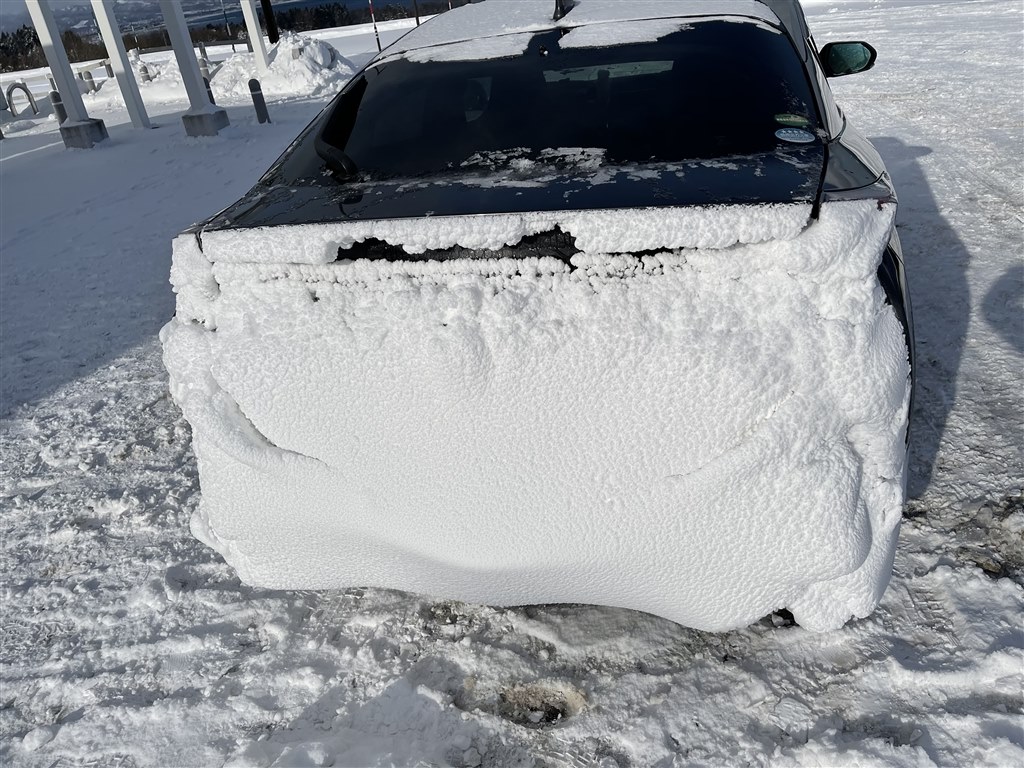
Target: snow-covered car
[596, 302]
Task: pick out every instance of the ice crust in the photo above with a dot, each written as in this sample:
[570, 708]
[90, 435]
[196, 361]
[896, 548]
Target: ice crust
[709, 434]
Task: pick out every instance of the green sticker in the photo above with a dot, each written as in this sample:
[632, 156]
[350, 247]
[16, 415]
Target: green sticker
[798, 121]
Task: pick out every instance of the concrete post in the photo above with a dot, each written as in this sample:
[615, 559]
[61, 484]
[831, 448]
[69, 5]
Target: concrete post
[117, 60]
[202, 118]
[252, 26]
[79, 130]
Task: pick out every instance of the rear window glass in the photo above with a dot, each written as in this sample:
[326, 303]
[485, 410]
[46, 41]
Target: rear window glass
[712, 89]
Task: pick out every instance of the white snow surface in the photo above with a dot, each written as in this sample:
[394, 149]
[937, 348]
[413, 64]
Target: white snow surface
[125, 642]
[509, 431]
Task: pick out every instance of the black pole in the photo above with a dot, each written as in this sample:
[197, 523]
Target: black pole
[270, 21]
[416, 9]
[227, 26]
[373, 18]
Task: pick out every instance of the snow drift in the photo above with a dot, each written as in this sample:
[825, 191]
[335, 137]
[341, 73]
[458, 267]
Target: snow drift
[299, 66]
[708, 433]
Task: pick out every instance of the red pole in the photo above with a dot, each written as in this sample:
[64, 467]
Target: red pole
[374, 20]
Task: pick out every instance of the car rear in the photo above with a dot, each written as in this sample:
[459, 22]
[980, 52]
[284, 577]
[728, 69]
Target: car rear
[603, 344]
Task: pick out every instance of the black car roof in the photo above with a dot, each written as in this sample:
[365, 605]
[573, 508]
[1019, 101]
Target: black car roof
[493, 18]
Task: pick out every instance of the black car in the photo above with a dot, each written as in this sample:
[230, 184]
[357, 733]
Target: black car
[563, 302]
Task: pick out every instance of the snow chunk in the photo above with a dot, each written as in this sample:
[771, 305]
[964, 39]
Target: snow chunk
[609, 231]
[524, 430]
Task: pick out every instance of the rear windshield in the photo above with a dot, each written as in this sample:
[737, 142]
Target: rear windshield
[712, 89]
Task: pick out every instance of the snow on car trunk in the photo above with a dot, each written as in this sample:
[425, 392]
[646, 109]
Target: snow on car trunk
[708, 433]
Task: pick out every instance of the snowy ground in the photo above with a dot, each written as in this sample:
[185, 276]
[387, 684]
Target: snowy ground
[127, 643]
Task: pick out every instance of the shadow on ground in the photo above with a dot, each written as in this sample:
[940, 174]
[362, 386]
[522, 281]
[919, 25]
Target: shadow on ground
[936, 261]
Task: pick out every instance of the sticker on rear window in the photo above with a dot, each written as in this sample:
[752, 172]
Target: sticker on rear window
[797, 121]
[795, 135]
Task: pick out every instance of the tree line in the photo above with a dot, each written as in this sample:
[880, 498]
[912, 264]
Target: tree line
[20, 49]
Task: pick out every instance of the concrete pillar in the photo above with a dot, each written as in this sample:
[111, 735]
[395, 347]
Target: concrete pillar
[118, 62]
[252, 26]
[202, 118]
[79, 130]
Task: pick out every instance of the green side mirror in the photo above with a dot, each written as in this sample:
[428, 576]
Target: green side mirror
[847, 58]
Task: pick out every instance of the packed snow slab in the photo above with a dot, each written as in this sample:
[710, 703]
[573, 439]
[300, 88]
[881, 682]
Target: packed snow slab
[707, 434]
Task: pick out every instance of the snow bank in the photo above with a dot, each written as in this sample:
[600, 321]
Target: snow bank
[705, 434]
[299, 66]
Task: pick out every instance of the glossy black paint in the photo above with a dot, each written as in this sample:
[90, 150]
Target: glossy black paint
[790, 175]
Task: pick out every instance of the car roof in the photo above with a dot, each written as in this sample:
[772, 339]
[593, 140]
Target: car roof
[493, 18]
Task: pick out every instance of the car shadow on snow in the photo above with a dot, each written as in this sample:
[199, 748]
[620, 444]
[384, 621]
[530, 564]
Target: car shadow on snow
[1002, 307]
[936, 261]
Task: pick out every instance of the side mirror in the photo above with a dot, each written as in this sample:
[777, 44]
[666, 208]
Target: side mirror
[848, 58]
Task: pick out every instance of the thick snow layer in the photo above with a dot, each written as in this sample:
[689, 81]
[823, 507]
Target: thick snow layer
[521, 431]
